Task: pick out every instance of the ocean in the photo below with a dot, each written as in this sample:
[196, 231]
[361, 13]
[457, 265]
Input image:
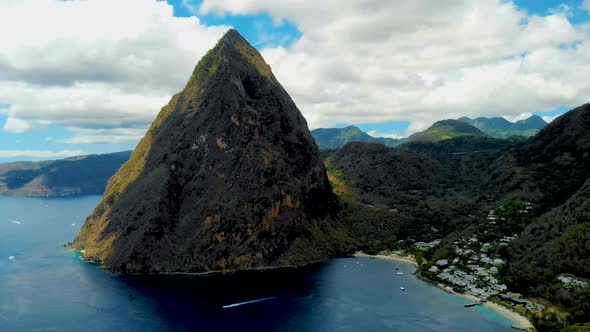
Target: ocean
[44, 287]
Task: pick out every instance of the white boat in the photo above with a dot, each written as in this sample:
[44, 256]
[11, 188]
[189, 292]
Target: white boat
[402, 289]
[400, 273]
[473, 304]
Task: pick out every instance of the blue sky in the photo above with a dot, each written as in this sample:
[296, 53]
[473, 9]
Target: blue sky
[264, 32]
[259, 29]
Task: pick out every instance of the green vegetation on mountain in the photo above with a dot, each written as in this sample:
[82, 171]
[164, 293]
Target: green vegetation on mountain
[331, 138]
[501, 128]
[444, 130]
[538, 188]
[80, 175]
[227, 177]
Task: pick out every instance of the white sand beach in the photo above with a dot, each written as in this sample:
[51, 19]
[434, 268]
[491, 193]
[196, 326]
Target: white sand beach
[519, 321]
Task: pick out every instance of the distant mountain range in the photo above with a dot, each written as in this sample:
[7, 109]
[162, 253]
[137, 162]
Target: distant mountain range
[501, 128]
[89, 174]
[333, 138]
[498, 127]
[72, 176]
[444, 130]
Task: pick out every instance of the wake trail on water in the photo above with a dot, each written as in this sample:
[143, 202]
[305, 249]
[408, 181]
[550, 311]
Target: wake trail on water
[248, 302]
[15, 221]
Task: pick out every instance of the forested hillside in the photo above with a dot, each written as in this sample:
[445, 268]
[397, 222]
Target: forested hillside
[71, 176]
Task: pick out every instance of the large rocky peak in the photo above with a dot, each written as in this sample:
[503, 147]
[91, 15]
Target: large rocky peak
[227, 177]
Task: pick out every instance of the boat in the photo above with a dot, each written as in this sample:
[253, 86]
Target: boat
[402, 289]
[400, 273]
[472, 304]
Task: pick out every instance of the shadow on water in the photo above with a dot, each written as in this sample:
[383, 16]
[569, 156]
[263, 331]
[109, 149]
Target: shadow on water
[46, 288]
[258, 300]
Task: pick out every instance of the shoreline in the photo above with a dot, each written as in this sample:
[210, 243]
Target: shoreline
[191, 274]
[519, 322]
[391, 257]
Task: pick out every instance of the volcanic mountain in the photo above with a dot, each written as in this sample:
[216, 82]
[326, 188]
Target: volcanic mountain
[334, 138]
[501, 128]
[444, 130]
[227, 177]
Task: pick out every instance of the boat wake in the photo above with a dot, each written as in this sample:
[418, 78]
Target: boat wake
[248, 302]
[15, 221]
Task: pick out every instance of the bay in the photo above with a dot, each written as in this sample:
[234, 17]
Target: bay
[44, 287]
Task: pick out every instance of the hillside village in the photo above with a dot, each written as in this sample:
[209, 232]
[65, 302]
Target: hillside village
[475, 263]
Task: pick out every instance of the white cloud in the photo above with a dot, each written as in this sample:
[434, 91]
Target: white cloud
[89, 64]
[394, 135]
[39, 153]
[111, 135]
[374, 133]
[548, 118]
[370, 61]
[94, 62]
[586, 5]
[15, 125]
[517, 117]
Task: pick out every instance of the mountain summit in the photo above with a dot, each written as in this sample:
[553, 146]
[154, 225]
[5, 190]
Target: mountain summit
[333, 138]
[501, 128]
[443, 130]
[227, 177]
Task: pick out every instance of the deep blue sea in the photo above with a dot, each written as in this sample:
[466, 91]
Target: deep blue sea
[43, 287]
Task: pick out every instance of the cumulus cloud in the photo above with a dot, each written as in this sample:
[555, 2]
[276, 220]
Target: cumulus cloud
[107, 135]
[94, 62]
[517, 117]
[370, 61]
[88, 64]
[15, 125]
[549, 118]
[39, 153]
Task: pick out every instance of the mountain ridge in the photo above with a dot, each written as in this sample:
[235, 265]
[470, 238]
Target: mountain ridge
[223, 180]
[80, 175]
[332, 138]
[444, 190]
[499, 127]
[444, 130]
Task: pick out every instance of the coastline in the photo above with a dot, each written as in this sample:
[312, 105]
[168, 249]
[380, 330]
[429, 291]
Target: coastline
[519, 322]
[191, 274]
[392, 257]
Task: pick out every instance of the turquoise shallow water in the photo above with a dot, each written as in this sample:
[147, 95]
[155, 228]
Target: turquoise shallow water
[45, 288]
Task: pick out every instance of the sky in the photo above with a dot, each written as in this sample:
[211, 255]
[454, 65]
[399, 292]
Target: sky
[89, 76]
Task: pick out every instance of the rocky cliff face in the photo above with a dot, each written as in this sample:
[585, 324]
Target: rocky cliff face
[227, 177]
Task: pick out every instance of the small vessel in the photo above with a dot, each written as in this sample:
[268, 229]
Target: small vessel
[472, 304]
[402, 289]
[400, 273]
